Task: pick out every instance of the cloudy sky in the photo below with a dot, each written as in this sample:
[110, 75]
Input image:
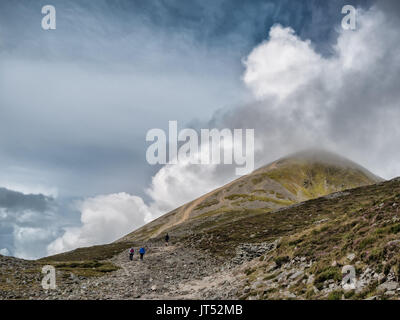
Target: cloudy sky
[76, 103]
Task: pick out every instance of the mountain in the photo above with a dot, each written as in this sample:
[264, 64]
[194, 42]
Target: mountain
[295, 251]
[301, 176]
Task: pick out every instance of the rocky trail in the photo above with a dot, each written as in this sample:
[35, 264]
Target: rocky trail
[176, 272]
[165, 273]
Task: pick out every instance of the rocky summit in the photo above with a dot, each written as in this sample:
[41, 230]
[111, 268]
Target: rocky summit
[309, 226]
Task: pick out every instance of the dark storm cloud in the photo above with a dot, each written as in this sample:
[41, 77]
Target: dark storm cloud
[15, 201]
[390, 7]
[84, 96]
[28, 222]
[84, 26]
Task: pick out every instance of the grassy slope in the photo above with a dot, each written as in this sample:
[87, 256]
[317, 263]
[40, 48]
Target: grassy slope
[363, 220]
[349, 218]
[89, 261]
[290, 180]
[219, 227]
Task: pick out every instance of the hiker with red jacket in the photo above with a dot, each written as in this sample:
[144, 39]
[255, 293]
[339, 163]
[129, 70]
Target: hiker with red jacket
[131, 253]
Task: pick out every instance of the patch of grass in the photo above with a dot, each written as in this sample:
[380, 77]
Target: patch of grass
[375, 255]
[207, 204]
[327, 274]
[271, 276]
[252, 197]
[310, 294]
[281, 260]
[257, 180]
[335, 295]
[102, 252]
[295, 242]
[212, 213]
[249, 271]
[349, 294]
[366, 242]
[395, 228]
[86, 268]
[259, 190]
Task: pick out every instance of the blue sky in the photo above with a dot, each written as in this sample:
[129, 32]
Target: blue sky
[76, 102]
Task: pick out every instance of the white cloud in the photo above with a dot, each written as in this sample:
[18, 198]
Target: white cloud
[281, 64]
[4, 252]
[28, 223]
[174, 185]
[28, 239]
[104, 219]
[108, 217]
[346, 102]
[285, 66]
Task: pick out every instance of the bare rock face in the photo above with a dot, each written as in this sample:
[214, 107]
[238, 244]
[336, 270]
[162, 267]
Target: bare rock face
[249, 251]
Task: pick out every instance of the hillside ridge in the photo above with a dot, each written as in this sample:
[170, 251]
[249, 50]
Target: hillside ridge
[289, 180]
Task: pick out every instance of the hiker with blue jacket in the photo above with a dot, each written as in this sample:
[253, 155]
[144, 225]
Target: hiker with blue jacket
[142, 251]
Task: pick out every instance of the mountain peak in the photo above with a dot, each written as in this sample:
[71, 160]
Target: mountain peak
[318, 156]
[289, 180]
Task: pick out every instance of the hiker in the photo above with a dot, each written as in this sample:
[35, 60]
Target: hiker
[142, 251]
[131, 253]
[166, 240]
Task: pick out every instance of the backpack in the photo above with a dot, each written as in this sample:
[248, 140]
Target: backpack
[131, 251]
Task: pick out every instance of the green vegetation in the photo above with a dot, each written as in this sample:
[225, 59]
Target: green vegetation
[281, 260]
[212, 213]
[86, 268]
[364, 221]
[327, 274]
[304, 177]
[259, 190]
[316, 179]
[95, 253]
[335, 295]
[257, 179]
[252, 197]
[207, 204]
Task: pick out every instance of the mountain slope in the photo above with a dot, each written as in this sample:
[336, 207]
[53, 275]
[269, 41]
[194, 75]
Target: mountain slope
[301, 250]
[296, 252]
[287, 181]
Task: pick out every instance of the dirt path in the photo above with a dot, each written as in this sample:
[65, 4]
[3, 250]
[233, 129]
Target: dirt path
[186, 210]
[165, 273]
